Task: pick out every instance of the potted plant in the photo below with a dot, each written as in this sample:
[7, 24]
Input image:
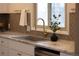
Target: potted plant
[54, 27]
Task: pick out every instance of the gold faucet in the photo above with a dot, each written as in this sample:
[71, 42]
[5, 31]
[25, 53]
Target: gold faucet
[45, 32]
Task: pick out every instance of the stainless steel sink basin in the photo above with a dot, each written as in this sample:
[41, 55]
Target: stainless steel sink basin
[31, 38]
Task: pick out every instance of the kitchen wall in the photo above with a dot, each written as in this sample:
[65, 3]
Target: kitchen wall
[19, 6]
[14, 20]
[15, 15]
[71, 27]
[4, 7]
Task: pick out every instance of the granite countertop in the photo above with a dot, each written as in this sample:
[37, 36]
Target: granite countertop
[64, 46]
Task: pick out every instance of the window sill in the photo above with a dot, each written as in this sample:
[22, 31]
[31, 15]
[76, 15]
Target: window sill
[50, 31]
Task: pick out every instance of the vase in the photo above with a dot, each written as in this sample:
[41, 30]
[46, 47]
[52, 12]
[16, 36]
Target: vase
[54, 37]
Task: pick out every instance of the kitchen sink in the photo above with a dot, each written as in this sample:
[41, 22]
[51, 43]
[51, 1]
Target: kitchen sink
[31, 38]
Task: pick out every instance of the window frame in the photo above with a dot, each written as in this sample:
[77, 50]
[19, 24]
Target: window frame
[49, 16]
[65, 29]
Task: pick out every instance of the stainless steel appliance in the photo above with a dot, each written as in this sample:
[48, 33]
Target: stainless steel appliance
[41, 51]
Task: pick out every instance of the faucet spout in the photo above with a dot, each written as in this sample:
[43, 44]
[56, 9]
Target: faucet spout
[43, 23]
[45, 32]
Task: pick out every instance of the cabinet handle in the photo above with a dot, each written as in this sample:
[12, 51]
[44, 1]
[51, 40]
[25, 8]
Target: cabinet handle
[19, 54]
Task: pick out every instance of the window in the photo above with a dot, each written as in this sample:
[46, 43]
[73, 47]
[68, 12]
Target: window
[58, 9]
[42, 12]
[46, 11]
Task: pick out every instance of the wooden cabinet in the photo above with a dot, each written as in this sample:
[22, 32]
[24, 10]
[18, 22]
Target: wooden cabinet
[4, 47]
[27, 49]
[4, 42]
[4, 7]
[13, 48]
[13, 52]
[4, 51]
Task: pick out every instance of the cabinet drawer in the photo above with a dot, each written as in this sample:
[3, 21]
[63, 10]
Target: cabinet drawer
[26, 48]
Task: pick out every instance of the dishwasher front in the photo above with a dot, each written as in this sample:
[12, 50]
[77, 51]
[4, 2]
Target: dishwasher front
[41, 51]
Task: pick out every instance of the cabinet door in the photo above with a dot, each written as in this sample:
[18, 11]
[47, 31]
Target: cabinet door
[24, 47]
[13, 52]
[4, 51]
[4, 42]
[3, 47]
